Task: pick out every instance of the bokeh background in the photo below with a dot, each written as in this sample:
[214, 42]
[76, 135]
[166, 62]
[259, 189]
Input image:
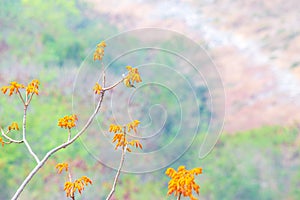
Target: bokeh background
[254, 45]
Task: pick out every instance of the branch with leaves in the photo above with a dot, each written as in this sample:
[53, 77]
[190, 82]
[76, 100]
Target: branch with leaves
[121, 140]
[67, 122]
[182, 181]
[70, 186]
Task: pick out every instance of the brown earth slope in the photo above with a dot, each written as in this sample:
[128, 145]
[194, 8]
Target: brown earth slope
[255, 45]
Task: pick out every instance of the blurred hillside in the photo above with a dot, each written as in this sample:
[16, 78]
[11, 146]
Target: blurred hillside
[254, 44]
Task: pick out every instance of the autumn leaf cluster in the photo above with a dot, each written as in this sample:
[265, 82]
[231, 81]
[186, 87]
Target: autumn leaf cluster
[14, 87]
[183, 181]
[99, 52]
[70, 187]
[33, 87]
[97, 88]
[68, 121]
[120, 135]
[78, 185]
[132, 77]
[62, 166]
[13, 126]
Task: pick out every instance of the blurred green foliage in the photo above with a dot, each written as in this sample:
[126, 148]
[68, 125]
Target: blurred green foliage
[49, 32]
[257, 164]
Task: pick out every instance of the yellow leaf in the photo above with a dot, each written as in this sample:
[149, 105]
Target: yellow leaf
[97, 88]
[2, 142]
[99, 52]
[14, 126]
[68, 121]
[62, 166]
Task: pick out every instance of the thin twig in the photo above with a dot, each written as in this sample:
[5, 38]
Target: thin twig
[118, 173]
[54, 150]
[20, 95]
[114, 85]
[69, 176]
[69, 134]
[28, 101]
[24, 136]
[70, 179]
[119, 169]
[179, 196]
[104, 75]
[9, 138]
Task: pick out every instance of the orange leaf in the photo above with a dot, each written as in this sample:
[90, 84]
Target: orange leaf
[14, 126]
[2, 142]
[97, 88]
[62, 166]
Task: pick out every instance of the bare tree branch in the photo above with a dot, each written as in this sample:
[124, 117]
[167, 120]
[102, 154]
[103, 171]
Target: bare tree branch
[114, 85]
[9, 138]
[24, 136]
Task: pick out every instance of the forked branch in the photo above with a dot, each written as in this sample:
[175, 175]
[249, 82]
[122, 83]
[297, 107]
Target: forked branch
[64, 145]
[10, 140]
[54, 150]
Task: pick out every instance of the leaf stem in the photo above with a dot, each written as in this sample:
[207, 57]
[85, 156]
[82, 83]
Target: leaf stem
[69, 134]
[20, 95]
[114, 85]
[179, 196]
[104, 75]
[119, 169]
